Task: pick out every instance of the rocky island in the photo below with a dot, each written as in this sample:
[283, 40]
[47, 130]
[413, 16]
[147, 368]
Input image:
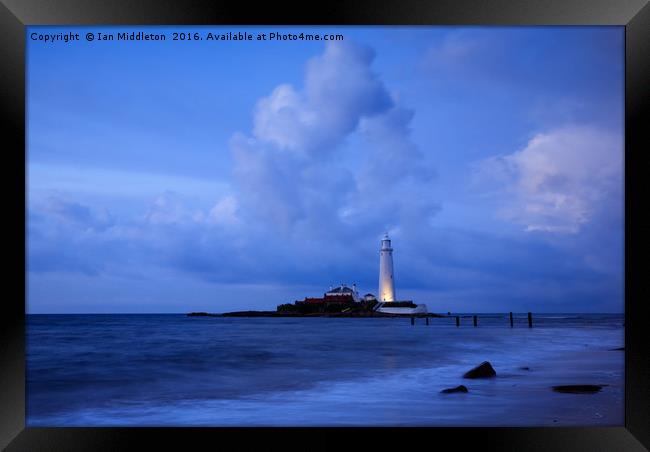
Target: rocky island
[345, 301]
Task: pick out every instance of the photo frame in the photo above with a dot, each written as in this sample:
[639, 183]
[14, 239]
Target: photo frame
[634, 15]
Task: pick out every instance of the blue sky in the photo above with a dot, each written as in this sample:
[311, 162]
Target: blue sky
[217, 176]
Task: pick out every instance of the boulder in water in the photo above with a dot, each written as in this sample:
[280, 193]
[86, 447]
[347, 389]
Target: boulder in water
[483, 370]
[460, 388]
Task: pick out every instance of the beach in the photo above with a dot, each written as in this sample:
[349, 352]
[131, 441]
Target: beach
[165, 370]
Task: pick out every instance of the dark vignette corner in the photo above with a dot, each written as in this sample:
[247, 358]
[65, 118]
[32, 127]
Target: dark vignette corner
[637, 363]
[12, 332]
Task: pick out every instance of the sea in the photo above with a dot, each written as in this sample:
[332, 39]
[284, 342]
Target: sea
[175, 370]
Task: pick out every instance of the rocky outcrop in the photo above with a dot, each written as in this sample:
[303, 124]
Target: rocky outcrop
[460, 388]
[483, 370]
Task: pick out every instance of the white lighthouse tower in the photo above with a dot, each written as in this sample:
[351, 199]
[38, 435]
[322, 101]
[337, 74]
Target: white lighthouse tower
[386, 283]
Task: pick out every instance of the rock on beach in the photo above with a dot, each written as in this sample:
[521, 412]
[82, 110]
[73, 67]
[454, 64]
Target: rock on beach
[483, 370]
[578, 389]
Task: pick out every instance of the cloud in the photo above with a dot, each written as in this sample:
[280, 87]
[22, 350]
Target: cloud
[521, 58]
[515, 78]
[293, 174]
[175, 209]
[460, 47]
[224, 212]
[560, 180]
[170, 208]
[339, 89]
[395, 182]
[68, 236]
[71, 213]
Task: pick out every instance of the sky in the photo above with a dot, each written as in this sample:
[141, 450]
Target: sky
[178, 176]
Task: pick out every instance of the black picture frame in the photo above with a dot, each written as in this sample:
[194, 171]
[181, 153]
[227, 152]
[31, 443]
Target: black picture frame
[15, 15]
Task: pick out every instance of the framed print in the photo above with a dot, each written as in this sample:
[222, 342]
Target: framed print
[401, 221]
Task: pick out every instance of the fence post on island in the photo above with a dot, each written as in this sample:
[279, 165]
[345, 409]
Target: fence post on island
[530, 320]
[427, 319]
[412, 320]
[511, 322]
[475, 321]
[457, 321]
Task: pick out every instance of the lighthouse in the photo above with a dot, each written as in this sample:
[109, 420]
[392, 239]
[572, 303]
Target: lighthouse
[386, 283]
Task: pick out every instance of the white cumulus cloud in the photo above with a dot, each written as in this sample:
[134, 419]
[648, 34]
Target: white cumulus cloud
[560, 179]
[339, 88]
[332, 161]
[224, 212]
